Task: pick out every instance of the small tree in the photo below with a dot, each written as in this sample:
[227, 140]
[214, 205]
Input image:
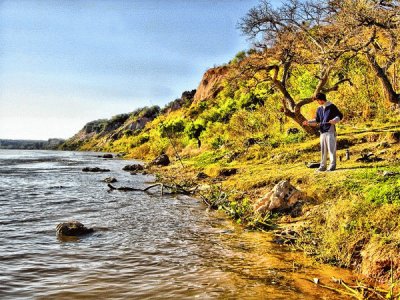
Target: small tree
[194, 130]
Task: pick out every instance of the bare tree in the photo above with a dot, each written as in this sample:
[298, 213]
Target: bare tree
[297, 33]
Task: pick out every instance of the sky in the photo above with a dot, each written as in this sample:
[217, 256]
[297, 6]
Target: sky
[64, 63]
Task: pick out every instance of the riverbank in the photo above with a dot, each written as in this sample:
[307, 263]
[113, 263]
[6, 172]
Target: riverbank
[352, 220]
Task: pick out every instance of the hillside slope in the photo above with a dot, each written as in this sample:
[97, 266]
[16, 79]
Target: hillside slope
[234, 134]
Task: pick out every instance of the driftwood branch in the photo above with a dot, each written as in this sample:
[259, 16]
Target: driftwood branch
[359, 291]
[173, 189]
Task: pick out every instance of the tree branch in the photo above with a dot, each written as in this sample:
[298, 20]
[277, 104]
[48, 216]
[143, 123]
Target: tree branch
[335, 87]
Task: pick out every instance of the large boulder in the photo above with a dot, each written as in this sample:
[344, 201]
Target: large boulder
[162, 160]
[283, 197]
[72, 228]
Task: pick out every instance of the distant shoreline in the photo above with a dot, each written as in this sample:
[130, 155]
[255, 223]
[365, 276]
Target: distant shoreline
[50, 144]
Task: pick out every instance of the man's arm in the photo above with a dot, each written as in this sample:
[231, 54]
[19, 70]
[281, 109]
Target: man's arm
[334, 121]
[314, 122]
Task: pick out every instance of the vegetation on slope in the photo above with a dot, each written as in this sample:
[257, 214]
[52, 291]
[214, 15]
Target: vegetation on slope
[249, 116]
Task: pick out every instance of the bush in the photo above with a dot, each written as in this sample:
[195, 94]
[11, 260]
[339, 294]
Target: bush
[128, 133]
[250, 101]
[194, 130]
[217, 142]
[171, 128]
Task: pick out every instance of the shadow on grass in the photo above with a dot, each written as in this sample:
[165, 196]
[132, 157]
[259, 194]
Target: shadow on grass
[392, 128]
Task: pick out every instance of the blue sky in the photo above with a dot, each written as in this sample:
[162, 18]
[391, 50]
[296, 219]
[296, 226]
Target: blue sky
[65, 63]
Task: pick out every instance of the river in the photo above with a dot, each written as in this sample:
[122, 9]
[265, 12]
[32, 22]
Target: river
[144, 246]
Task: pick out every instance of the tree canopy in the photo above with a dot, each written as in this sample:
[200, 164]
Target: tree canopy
[318, 34]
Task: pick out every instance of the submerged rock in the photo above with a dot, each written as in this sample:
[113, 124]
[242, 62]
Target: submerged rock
[72, 228]
[110, 180]
[94, 169]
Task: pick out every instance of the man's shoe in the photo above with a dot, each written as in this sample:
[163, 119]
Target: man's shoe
[330, 169]
[321, 169]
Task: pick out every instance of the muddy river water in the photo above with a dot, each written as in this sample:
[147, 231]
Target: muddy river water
[144, 246]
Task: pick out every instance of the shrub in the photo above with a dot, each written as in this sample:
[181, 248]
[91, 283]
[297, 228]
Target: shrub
[217, 142]
[171, 128]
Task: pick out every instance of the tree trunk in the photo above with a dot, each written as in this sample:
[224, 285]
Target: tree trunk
[299, 119]
[391, 94]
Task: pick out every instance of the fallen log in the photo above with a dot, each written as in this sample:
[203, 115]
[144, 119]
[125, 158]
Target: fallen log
[174, 190]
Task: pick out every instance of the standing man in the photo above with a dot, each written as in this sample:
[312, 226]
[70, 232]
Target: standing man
[327, 116]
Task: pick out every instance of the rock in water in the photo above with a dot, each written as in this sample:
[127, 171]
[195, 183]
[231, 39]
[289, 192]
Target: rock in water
[133, 168]
[72, 228]
[94, 169]
[110, 180]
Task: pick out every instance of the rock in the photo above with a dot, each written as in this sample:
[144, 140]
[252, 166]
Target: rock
[232, 156]
[292, 131]
[389, 173]
[72, 228]
[394, 137]
[282, 197]
[312, 165]
[110, 180]
[227, 172]
[251, 141]
[368, 157]
[162, 160]
[382, 152]
[133, 168]
[94, 169]
[202, 175]
[383, 145]
[107, 156]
